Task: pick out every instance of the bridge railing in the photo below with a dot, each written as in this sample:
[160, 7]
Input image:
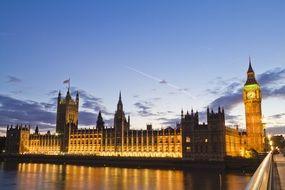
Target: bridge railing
[262, 177]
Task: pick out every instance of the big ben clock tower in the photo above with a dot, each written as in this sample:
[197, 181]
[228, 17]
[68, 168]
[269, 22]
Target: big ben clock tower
[253, 115]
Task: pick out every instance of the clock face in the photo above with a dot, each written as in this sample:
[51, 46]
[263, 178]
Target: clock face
[250, 95]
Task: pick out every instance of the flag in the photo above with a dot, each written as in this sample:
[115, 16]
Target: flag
[66, 81]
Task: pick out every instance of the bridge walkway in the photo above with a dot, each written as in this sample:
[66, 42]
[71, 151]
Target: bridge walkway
[279, 180]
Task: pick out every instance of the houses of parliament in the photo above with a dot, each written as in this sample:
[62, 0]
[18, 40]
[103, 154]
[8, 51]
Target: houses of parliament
[188, 140]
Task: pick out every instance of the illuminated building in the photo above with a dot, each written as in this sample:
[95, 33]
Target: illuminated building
[204, 141]
[212, 141]
[119, 140]
[189, 140]
[253, 115]
[67, 112]
[17, 139]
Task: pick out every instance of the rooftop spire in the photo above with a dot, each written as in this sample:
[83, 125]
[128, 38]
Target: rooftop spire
[250, 70]
[120, 98]
[250, 74]
[58, 97]
[68, 94]
[77, 95]
[120, 103]
[100, 121]
[99, 115]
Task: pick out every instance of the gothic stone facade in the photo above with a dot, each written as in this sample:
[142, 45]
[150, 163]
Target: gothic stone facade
[119, 140]
[189, 140]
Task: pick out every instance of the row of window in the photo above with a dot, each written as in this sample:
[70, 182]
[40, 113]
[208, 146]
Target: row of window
[46, 143]
[86, 136]
[119, 142]
[126, 149]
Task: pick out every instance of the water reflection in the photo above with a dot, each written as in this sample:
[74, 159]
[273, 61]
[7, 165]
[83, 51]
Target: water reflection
[52, 176]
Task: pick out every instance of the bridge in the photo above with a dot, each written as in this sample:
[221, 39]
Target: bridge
[270, 175]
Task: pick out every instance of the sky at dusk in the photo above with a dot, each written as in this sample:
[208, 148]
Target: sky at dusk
[163, 56]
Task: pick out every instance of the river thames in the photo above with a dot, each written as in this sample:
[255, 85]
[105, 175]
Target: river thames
[31, 176]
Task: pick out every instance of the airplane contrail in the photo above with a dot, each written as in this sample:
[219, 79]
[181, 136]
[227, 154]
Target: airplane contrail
[144, 74]
[161, 81]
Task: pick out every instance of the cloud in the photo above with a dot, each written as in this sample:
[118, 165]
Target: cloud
[156, 99]
[271, 76]
[53, 93]
[162, 82]
[173, 93]
[169, 122]
[276, 120]
[13, 79]
[145, 113]
[228, 101]
[43, 128]
[215, 91]
[275, 130]
[16, 92]
[277, 116]
[14, 111]
[270, 87]
[144, 108]
[183, 89]
[221, 86]
[161, 113]
[87, 118]
[48, 105]
[234, 120]
[90, 102]
[280, 92]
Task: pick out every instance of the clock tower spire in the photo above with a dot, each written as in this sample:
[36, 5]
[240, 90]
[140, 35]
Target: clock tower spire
[253, 113]
[250, 75]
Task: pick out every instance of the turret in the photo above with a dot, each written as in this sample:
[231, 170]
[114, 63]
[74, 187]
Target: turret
[67, 112]
[120, 103]
[58, 97]
[77, 99]
[77, 96]
[129, 121]
[100, 122]
[68, 96]
[188, 124]
[212, 114]
[37, 130]
[192, 119]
